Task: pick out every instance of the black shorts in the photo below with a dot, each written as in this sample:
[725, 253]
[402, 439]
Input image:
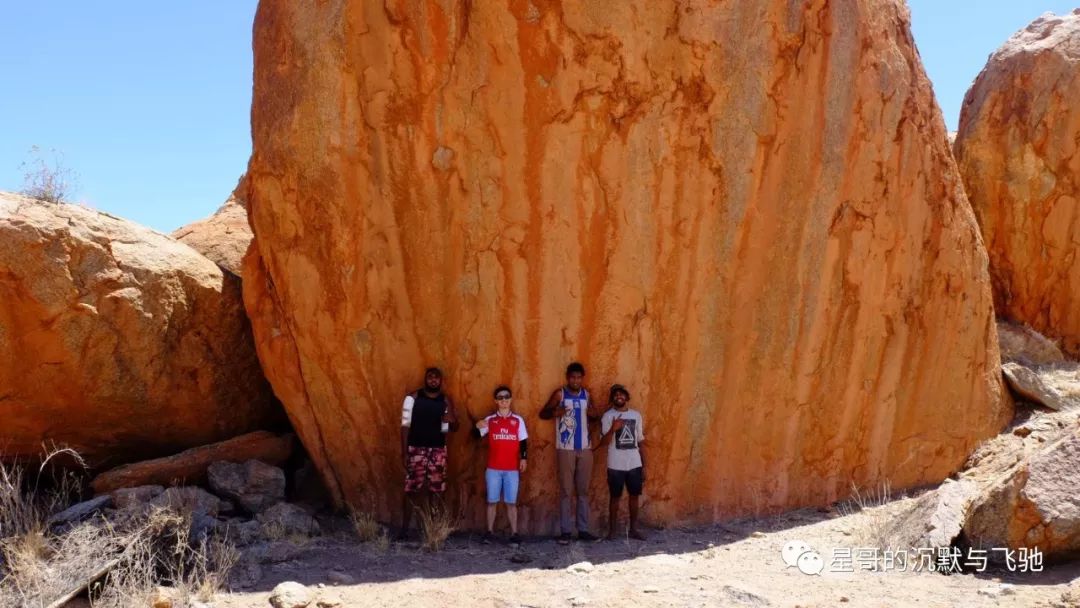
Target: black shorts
[633, 480]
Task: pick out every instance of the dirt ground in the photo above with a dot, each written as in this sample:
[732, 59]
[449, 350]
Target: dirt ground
[735, 564]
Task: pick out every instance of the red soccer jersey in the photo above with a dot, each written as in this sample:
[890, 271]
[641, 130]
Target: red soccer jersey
[504, 435]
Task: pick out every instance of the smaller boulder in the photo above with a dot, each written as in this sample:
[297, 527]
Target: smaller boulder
[284, 519]
[195, 500]
[253, 485]
[80, 511]
[1034, 505]
[290, 595]
[936, 518]
[1021, 344]
[1054, 386]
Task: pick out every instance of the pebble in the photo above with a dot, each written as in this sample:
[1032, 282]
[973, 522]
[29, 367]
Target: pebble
[580, 567]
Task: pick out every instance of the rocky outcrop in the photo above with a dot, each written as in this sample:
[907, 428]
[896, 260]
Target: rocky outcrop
[934, 519]
[1035, 368]
[1035, 504]
[254, 485]
[1054, 386]
[224, 236]
[116, 340]
[1017, 149]
[767, 241]
[1021, 344]
[190, 466]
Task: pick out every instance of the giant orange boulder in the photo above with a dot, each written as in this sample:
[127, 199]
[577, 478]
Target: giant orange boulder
[745, 211]
[1018, 149]
[118, 341]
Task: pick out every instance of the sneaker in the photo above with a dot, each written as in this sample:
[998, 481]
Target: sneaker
[586, 536]
[563, 539]
[515, 539]
[634, 534]
[487, 538]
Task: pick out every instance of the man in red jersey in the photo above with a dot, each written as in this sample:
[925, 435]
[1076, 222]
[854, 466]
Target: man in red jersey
[507, 442]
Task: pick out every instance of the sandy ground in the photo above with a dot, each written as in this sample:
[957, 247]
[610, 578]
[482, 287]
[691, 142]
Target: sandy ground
[735, 564]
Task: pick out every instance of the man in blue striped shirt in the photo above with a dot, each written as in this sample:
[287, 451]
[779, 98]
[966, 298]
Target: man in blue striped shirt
[572, 410]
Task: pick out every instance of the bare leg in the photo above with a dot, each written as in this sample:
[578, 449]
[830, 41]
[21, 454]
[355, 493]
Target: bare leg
[634, 533]
[511, 514]
[491, 510]
[613, 518]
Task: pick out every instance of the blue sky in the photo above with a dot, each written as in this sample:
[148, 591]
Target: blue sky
[148, 101]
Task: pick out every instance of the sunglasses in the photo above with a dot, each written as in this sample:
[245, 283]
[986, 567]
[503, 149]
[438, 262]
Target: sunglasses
[502, 397]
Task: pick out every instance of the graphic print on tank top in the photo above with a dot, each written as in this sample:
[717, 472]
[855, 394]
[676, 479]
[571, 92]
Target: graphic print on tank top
[572, 430]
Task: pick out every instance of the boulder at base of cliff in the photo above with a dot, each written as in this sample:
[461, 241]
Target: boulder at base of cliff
[117, 340]
[1018, 150]
[1034, 504]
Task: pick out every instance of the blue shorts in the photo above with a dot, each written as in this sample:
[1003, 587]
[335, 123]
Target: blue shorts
[504, 483]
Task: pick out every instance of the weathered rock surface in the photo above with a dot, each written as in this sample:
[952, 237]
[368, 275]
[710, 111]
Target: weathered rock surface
[1021, 344]
[224, 236]
[254, 485]
[1035, 504]
[936, 518]
[1017, 149]
[767, 241]
[116, 340]
[189, 466]
[189, 499]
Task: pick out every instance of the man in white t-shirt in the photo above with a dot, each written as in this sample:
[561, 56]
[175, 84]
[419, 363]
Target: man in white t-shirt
[623, 434]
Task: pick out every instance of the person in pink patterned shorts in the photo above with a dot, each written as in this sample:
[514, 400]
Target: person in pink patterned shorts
[426, 416]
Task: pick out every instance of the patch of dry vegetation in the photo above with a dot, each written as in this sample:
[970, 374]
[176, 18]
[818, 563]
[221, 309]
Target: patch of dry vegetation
[437, 523]
[122, 563]
[872, 521]
[368, 530]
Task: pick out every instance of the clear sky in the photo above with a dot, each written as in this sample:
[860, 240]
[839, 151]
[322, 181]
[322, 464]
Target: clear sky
[148, 101]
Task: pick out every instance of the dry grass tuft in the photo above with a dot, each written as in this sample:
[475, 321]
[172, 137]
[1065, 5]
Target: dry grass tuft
[123, 563]
[872, 522]
[365, 526]
[381, 543]
[437, 523]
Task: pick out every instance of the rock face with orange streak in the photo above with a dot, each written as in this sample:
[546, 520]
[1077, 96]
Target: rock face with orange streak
[118, 341]
[746, 212]
[1018, 149]
[224, 236]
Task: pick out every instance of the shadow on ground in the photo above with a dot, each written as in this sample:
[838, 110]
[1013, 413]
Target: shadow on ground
[326, 559]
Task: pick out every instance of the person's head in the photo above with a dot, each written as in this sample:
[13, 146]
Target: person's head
[433, 379]
[619, 396]
[575, 374]
[503, 397]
